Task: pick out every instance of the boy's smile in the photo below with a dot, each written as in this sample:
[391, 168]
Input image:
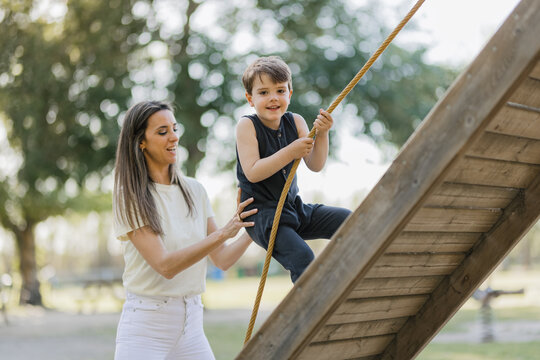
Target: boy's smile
[270, 100]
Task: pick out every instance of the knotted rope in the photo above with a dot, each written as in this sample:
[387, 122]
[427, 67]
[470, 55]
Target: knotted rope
[311, 134]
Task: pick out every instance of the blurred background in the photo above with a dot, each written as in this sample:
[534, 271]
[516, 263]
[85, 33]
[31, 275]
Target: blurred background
[70, 69]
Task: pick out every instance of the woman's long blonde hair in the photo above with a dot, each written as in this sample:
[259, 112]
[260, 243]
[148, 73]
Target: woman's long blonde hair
[132, 184]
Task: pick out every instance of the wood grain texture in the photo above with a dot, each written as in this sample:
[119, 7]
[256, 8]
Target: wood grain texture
[535, 73]
[471, 196]
[517, 122]
[399, 286]
[454, 290]
[359, 329]
[527, 94]
[453, 220]
[358, 310]
[419, 242]
[493, 173]
[506, 148]
[346, 349]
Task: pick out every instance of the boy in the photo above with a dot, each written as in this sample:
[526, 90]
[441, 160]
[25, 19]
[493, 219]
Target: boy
[268, 142]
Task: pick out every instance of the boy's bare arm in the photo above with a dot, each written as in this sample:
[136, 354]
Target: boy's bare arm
[316, 159]
[257, 169]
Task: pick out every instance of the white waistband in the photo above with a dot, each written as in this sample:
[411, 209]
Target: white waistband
[164, 299]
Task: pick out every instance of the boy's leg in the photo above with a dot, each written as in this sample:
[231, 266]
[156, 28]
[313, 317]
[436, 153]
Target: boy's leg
[325, 220]
[291, 251]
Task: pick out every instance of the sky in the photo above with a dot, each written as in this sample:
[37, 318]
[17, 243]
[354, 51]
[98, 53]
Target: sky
[455, 32]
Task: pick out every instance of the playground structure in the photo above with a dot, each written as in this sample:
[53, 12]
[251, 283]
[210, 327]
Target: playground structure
[485, 297]
[461, 193]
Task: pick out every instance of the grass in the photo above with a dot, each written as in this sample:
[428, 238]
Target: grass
[226, 340]
[492, 351]
[241, 292]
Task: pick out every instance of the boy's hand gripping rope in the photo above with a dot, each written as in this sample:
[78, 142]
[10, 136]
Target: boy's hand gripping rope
[311, 134]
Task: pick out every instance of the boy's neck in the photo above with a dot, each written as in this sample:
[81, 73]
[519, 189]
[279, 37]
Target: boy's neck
[274, 125]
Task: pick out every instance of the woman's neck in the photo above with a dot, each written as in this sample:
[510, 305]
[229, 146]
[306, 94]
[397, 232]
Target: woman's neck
[161, 176]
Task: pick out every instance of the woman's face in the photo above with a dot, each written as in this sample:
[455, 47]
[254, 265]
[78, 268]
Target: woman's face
[160, 140]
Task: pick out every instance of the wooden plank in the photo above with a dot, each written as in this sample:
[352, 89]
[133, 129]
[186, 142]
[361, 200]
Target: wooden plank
[382, 287]
[453, 220]
[432, 242]
[517, 122]
[358, 310]
[493, 172]
[405, 265]
[360, 329]
[470, 196]
[535, 73]
[419, 168]
[528, 94]
[346, 349]
[505, 147]
[454, 290]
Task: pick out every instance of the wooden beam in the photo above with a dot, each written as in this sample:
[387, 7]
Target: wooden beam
[535, 74]
[528, 94]
[472, 196]
[457, 119]
[516, 121]
[358, 310]
[346, 349]
[359, 329]
[453, 220]
[454, 290]
[407, 265]
[383, 287]
[418, 242]
[477, 171]
[507, 148]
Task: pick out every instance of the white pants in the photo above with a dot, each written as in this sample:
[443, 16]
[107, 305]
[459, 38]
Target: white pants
[162, 328]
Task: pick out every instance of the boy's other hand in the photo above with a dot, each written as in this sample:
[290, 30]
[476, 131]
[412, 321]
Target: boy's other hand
[323, 122]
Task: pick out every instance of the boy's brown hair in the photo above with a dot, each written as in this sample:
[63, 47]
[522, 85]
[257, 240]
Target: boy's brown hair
[273, 66]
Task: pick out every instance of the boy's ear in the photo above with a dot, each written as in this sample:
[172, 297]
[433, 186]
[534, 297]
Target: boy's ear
[290, 94]
[249, 97]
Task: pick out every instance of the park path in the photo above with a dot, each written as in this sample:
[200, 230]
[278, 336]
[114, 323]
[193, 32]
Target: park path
[35, 333]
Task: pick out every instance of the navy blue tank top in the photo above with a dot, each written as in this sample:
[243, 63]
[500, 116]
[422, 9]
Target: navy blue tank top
[270, 141]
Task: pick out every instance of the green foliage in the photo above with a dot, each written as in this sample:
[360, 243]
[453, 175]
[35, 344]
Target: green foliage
[64, 86]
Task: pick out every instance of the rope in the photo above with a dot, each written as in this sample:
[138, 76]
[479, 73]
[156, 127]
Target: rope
[311, 134]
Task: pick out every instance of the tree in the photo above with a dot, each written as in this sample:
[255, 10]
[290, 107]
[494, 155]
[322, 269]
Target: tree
[63, 84]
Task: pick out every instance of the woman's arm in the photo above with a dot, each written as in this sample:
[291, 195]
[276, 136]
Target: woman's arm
[227, 255]
[169, 263]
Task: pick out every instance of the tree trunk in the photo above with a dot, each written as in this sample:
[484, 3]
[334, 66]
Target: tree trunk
[30, 293]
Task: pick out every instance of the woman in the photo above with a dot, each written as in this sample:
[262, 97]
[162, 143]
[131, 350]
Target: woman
[168, 229]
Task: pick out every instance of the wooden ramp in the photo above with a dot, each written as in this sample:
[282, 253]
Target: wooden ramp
[458, 197]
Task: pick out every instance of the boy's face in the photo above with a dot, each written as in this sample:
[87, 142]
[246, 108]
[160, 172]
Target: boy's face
[269, 99]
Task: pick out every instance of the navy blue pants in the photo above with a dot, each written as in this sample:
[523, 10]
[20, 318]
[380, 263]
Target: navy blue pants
[299, 222]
